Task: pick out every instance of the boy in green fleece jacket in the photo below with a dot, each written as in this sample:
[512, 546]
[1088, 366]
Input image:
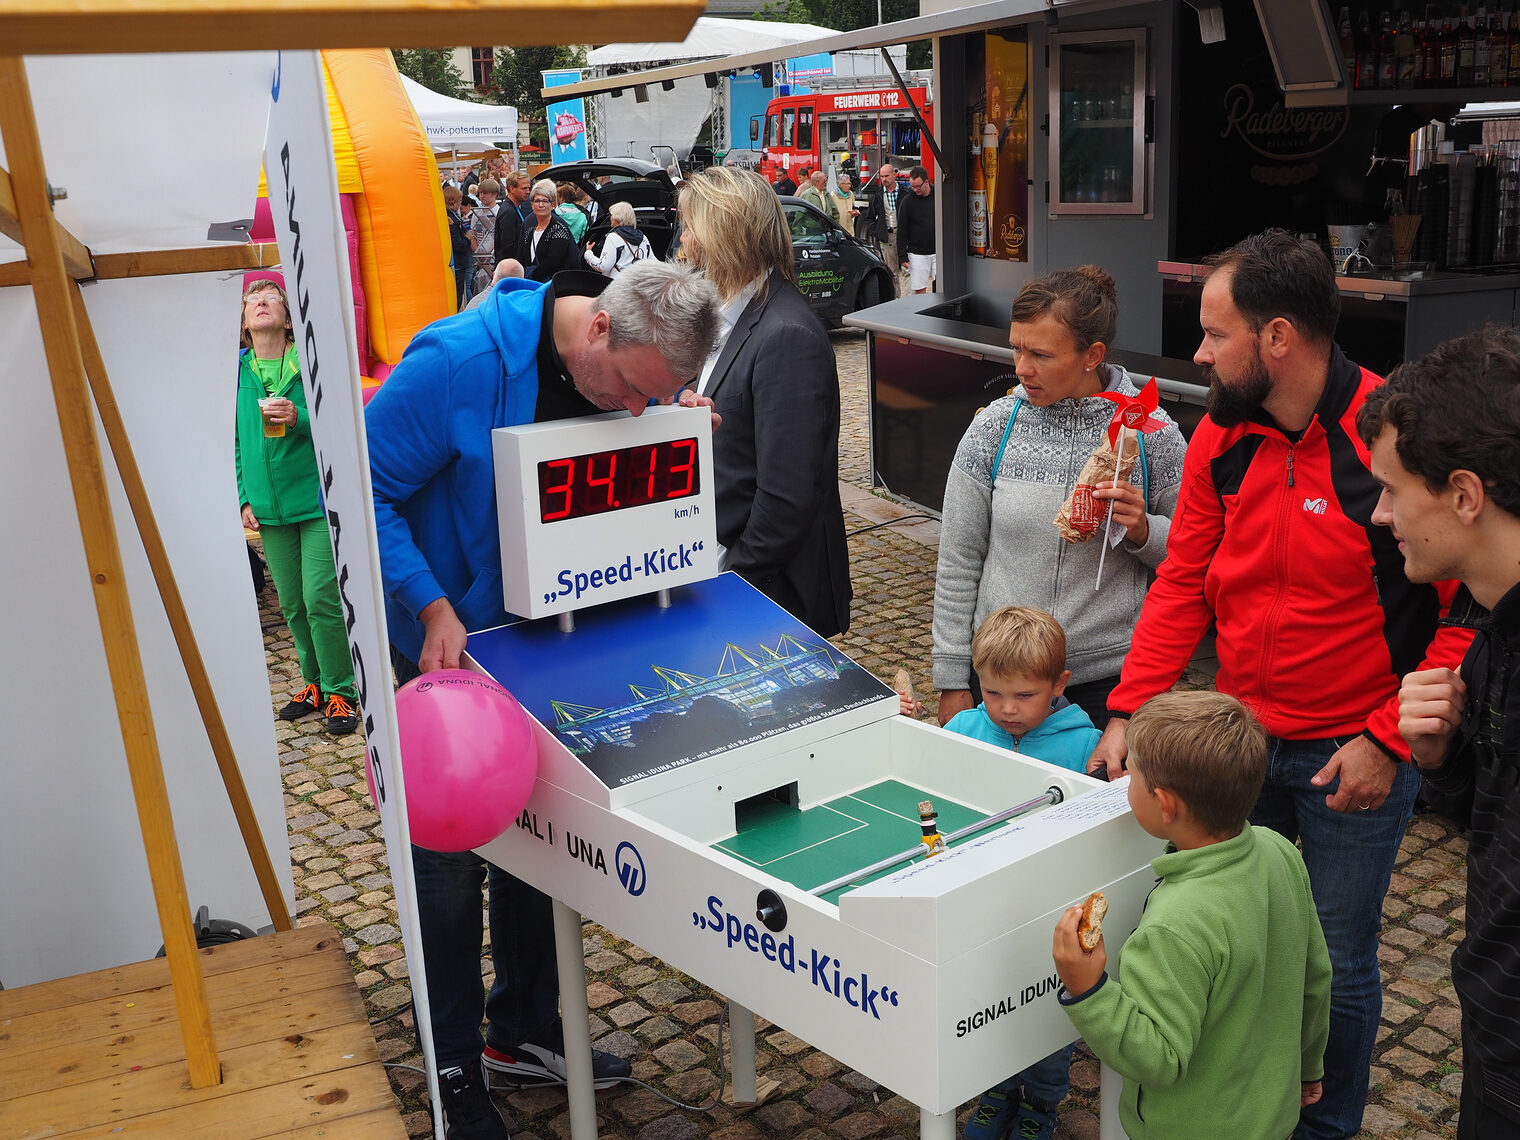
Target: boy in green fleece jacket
[1218, 1018]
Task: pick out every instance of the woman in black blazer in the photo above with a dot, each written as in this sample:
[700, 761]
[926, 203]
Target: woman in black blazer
[774, 381]
[545, 247]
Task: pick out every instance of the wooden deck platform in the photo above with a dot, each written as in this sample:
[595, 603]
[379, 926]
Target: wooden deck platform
[100, 1055]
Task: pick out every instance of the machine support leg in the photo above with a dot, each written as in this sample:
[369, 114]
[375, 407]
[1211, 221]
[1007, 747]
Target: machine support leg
[741, 1035]
[579, 1090]
[936, 1125]
[662, 598]
[1108, 1104]
[567, 622]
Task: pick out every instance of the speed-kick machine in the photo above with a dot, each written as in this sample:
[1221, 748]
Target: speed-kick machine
[729, 791]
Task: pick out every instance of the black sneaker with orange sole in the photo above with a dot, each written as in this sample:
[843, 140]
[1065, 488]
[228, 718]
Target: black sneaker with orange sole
[339, 717]
[304, 703]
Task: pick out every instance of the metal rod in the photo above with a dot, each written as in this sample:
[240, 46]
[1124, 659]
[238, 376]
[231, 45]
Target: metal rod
[567, 621]
[1052, 796]
[662, 598]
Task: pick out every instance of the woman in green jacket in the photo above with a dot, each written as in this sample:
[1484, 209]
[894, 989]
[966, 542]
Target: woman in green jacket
[281, 498]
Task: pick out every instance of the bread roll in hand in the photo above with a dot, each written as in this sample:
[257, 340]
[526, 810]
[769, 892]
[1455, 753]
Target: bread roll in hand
[1090, 926]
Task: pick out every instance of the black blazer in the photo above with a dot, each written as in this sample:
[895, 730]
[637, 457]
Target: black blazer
[777, 459]
[509, 227]
[556, 249]
[875, 213]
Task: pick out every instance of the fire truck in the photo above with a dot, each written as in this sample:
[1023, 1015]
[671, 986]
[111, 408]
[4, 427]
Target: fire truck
[870, 125]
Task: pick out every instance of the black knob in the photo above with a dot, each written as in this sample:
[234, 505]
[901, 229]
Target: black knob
[770, 911]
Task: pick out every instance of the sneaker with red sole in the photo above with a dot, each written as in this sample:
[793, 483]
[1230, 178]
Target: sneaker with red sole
[339, 717]
[545, 1064]
[304, 703]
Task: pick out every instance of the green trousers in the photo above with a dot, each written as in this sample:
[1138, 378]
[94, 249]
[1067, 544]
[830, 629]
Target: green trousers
[301, 564]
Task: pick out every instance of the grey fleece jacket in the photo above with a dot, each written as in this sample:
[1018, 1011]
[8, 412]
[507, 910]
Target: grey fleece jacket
[999, 546]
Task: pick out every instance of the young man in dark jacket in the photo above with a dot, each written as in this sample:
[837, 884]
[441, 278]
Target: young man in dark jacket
[1445, 434]
[1273, 541]
[510, 213]
[916, 241]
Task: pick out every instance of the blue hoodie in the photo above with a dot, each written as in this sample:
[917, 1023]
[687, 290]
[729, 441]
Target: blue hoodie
[430, 460]
[1066, 738]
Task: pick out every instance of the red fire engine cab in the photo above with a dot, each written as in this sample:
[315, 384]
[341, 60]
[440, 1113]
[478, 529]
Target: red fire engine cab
[870, 126]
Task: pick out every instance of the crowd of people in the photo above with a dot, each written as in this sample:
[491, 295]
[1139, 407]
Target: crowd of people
[535, 228]
[1353, 543]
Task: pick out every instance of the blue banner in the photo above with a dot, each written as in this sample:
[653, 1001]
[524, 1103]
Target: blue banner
[567, 120]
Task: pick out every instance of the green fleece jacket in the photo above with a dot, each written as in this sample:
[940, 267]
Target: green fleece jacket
[276, 477]
[1222, 1004]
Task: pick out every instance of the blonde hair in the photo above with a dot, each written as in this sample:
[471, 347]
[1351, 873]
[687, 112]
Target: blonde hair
[452, 195]
[1017, 641]
[1207, 749]
[739, 226]
[258, 285]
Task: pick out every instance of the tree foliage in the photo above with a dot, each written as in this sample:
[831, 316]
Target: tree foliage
[847, 16]
[434, 69]
[516, 79]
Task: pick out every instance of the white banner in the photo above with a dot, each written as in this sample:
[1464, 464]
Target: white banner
[303, 197]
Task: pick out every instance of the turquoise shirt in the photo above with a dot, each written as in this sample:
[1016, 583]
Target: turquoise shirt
[1066, 738]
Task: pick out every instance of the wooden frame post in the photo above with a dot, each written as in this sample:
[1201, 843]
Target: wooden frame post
[179, 621]
[60, 338]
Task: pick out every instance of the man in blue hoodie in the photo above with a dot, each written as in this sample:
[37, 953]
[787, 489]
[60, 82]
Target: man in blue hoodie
[530, 352]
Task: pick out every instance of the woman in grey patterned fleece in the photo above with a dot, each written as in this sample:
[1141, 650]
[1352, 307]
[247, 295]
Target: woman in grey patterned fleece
[1015, 466]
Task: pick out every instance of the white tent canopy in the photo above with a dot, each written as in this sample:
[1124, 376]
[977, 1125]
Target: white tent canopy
[459, 124]
[710, 38]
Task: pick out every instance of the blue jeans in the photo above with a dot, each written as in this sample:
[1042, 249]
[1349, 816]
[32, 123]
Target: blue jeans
[1350, 858]
[524, 1000]
[1047, 1081]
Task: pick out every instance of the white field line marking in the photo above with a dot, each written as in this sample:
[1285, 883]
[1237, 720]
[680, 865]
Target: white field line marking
[860, 824]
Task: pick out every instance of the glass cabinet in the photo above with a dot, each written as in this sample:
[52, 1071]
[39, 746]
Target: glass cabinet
[1098, 144]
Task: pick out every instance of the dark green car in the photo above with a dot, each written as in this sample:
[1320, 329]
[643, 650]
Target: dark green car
[836, 271]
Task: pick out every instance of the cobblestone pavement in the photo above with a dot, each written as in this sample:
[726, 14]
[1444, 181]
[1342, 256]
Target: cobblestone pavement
[668, 1024]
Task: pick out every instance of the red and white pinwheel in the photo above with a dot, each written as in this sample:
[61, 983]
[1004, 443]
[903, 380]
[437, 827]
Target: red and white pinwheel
[1133, 412]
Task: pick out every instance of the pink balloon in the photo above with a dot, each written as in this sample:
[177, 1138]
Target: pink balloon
[469, 758]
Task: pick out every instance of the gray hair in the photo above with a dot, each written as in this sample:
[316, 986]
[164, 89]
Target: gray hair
[668, 306]
[622, 214]
[544, 187]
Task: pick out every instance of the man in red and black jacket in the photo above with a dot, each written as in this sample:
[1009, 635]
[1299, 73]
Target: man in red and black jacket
[1273, 541]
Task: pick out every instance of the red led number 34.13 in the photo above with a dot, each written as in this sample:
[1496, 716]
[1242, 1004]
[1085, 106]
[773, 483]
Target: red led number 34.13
[592, 484]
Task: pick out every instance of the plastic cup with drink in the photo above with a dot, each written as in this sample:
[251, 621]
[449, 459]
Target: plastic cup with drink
[273, 429]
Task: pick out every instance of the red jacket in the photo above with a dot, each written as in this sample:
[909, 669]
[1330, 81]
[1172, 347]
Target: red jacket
[1274, 542]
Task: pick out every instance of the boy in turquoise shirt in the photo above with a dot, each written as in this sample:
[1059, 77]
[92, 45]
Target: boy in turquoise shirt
[1020, 655]
[1219, 1015]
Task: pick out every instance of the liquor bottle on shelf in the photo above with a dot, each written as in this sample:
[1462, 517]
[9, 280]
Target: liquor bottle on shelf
[1387, 51]
[1348, 44]
[1513, 70]
[1447, 43]
[1404, 49]
[1366, 53]
[1481, 56]
[1427, 62]
[1467, 43]
[1498, 48]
